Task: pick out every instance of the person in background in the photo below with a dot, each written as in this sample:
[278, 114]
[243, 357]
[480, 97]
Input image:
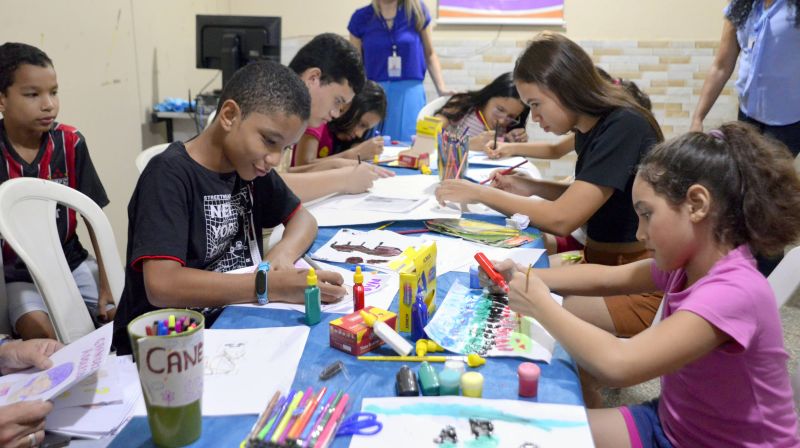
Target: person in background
[480, 112]
[33, 144]
[351, 135]
[763, 36]
[395, 39]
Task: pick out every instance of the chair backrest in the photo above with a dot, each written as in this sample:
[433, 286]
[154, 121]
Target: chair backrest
[28, 224]
[785, 278]
[211, 117]
[144, 157]
[431, 108]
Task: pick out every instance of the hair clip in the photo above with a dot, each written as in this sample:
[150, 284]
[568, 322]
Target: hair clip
[717, 134]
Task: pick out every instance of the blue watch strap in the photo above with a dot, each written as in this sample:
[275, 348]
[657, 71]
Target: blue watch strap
[262, 282]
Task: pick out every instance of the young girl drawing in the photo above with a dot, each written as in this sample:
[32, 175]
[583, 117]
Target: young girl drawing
[479, 112]
[704, 201]
[349, 136]
[559, 82]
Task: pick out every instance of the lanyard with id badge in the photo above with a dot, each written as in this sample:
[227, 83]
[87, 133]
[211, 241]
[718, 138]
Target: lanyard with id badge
[394, 66]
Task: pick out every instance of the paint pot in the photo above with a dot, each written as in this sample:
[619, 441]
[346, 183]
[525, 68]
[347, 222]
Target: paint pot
[449, 382]
[528, 373]
[406, 385]
[472, 384]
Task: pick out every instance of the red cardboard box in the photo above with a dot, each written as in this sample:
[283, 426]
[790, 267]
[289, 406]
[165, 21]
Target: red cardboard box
[351, 335]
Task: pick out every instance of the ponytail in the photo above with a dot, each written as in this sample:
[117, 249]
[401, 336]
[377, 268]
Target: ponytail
[752, 180]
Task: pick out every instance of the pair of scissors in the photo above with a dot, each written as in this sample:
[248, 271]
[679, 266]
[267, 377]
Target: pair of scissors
[360, 423]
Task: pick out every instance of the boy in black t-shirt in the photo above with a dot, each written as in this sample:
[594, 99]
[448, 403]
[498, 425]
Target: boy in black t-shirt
[33, 144]
[198, 209]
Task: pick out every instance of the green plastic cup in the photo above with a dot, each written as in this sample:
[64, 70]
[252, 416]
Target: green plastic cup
[171, 375]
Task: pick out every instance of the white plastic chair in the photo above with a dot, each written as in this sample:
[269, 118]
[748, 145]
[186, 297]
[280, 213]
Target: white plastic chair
[144, 157]
[431, 108]
[28, 224]
[785, 280]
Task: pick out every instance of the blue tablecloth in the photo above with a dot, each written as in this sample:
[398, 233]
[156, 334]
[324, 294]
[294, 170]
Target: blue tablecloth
[558, 384]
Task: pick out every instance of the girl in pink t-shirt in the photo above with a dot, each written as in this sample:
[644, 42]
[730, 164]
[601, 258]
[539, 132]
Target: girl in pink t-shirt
[704, 201]
[349, 136]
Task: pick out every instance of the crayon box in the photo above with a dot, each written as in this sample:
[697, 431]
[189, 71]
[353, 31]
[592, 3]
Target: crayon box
[351, 335]
[417, 271]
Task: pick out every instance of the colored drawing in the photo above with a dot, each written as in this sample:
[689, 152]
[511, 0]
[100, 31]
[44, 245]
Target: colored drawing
[539, 12]
[473, 422]
[43, 382]
[374, 248]
[473, 321]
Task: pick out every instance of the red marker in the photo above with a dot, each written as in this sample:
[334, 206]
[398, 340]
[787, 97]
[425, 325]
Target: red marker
[495, 276]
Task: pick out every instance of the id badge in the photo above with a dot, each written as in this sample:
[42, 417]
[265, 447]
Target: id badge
[395, 67]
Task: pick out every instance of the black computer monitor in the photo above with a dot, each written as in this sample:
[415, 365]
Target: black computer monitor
[230, 42]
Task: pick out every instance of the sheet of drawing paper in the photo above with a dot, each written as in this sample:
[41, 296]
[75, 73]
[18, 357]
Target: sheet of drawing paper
[71, 364]
[470, 321]
[102, 420]
[372, 248]
[479, 158]
[430, 421]
[379, 291]
[244, 368]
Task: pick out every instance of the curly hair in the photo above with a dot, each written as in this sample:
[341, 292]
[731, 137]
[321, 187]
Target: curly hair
[14, 54]
[751, 178]
[740, 10]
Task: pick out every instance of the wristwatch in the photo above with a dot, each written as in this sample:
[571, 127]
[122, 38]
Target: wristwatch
[261, 282]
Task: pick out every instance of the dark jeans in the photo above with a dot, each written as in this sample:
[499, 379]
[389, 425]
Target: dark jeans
[790, 136]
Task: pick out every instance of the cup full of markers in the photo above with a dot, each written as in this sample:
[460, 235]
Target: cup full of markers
[453, 153]
[168, 348]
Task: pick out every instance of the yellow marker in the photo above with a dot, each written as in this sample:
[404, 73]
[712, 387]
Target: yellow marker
[285, 421]
[473, 360]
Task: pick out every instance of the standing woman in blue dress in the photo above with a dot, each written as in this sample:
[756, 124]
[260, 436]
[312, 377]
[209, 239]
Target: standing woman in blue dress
[395, 40]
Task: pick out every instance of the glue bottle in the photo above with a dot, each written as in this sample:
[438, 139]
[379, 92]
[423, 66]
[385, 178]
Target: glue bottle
[387, 334]
[313, 305]
[358, 290]
[419, 317]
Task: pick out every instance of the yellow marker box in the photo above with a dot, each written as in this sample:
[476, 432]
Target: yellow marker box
[417, 269]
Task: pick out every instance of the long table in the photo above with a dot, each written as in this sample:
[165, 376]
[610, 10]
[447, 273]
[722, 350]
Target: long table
[559, 381]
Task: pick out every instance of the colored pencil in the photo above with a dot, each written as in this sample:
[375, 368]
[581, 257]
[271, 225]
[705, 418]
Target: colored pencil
[264, 415]
[411, 231]
[506, 171]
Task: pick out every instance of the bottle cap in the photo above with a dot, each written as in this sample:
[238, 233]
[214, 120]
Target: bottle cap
[422, 347]
[358, 277]
[311, 278]
[475, 360]
[456, 364]
[369, 318]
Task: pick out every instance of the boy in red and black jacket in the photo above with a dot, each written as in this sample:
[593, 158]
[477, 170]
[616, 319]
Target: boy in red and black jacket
[33, 144]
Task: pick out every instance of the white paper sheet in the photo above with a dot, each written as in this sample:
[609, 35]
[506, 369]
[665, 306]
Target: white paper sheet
[417, 421]
[454, 254]
[380, 289]
[102, 420]
[374, 247]
[245, 367]
[71, 364]
[479, 158]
